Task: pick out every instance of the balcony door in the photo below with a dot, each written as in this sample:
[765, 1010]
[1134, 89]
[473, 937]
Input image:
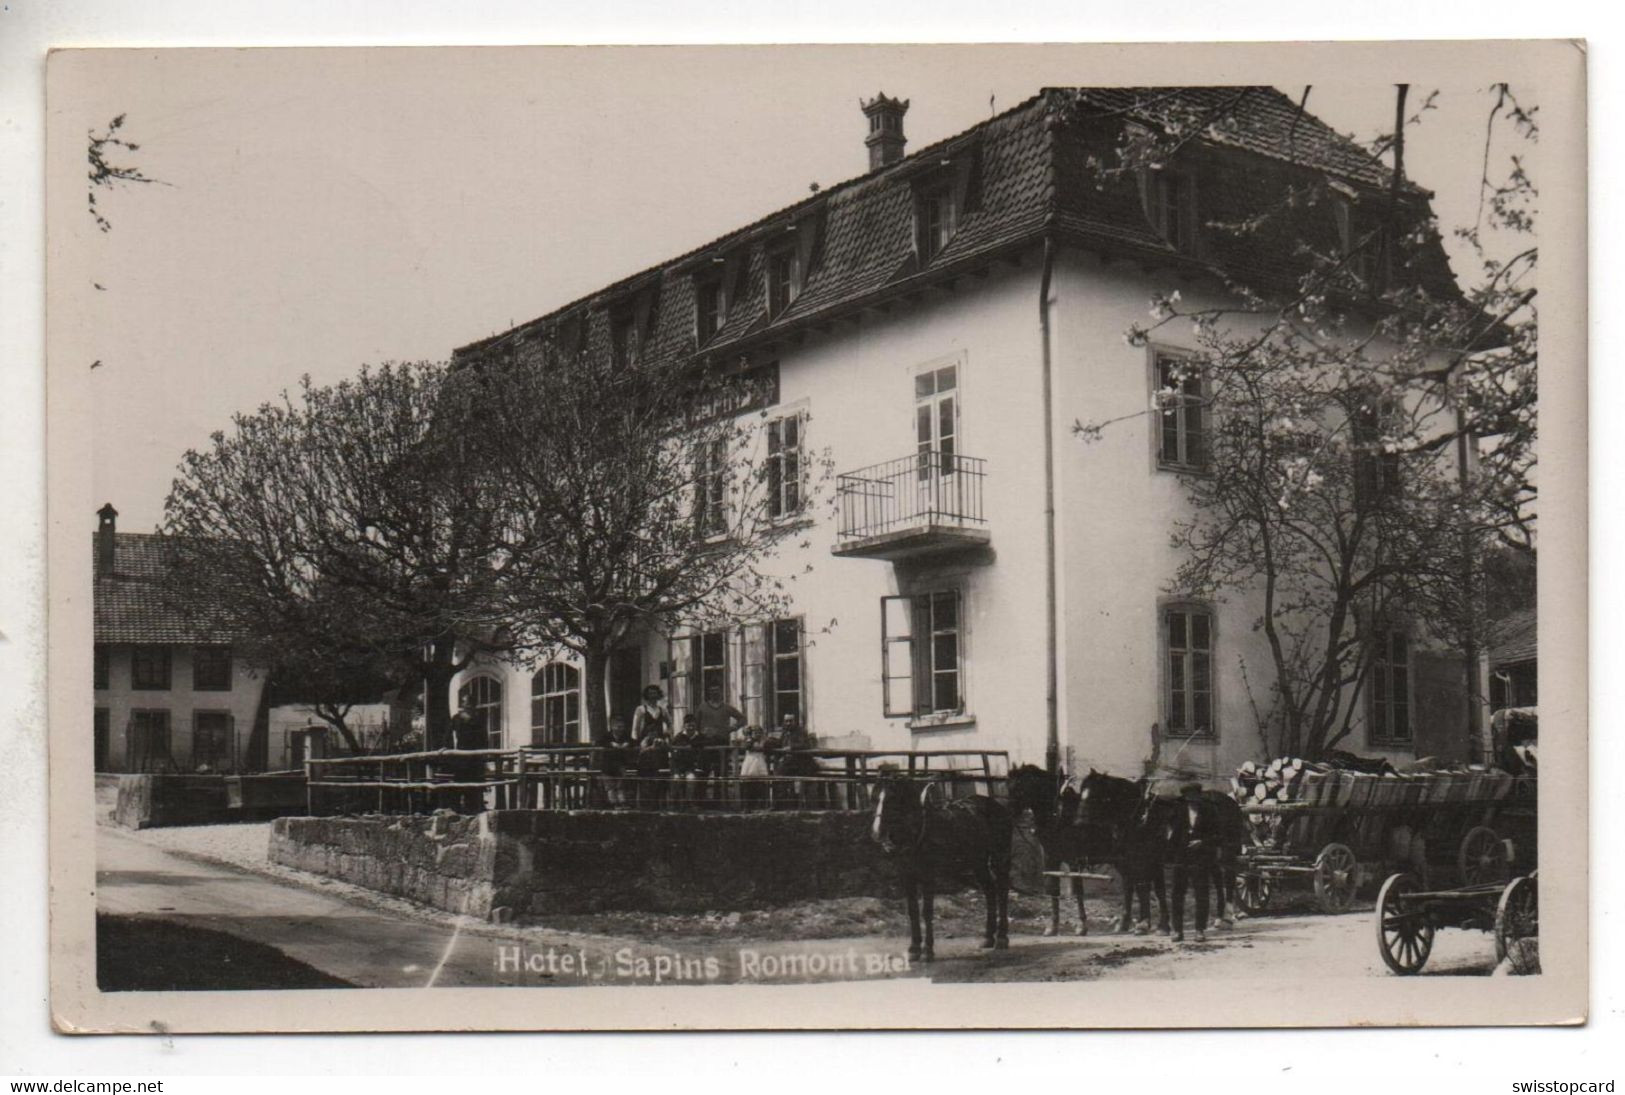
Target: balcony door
[936, 438]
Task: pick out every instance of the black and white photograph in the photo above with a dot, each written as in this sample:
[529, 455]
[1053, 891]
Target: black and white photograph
[1006, 529]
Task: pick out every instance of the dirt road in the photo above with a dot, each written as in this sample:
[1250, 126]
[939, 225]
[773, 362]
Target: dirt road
[373, 941]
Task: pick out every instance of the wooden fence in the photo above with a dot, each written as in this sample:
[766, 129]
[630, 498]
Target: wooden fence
[572, 777]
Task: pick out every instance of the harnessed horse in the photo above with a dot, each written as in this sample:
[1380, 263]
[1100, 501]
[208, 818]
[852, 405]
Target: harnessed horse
[930, 842]
[1067, 845]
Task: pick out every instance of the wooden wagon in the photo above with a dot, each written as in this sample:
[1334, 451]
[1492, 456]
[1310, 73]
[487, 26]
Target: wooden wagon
[1347, 826]
[1409, 915]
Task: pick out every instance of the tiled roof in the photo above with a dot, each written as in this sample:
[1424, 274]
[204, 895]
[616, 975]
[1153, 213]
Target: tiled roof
[132, 604]
[1512, 640]
[1031, 175]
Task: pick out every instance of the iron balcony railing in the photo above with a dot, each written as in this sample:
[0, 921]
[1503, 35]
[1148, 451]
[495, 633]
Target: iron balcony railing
[932, 487]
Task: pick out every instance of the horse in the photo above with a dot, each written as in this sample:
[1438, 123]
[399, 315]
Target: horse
[1138, 848]
[1053, 803]
[930, 842]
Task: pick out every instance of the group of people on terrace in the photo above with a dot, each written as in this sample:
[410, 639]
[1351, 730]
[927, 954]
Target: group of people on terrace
[715, 758]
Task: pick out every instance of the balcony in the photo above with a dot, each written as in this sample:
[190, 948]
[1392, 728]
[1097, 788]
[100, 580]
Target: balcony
[924, 504]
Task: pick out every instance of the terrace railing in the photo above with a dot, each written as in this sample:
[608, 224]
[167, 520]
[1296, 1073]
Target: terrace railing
[931, 489]
[573, 777]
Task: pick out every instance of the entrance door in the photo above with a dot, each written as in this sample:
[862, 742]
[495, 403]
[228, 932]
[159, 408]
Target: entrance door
[625, 681]
[936, 436]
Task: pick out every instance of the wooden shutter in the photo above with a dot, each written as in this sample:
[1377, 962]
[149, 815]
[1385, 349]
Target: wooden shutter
[897, 658]
[753, 674]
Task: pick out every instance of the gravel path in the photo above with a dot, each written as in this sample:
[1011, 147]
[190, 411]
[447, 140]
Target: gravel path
[1272, 947]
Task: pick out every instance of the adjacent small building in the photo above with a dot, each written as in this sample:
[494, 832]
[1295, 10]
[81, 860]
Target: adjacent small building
[171, 694]
[1513, 664]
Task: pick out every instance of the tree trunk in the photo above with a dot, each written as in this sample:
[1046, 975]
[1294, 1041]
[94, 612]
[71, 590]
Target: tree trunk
[595, 663]
[335, 719]
[437, 675]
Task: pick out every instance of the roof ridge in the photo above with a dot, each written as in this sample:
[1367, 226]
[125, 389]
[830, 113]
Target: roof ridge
[822, 195]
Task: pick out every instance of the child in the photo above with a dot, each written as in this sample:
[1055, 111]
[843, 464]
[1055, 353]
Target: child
[686, 763]
[654, 756]
[753, 769]
[615, 751]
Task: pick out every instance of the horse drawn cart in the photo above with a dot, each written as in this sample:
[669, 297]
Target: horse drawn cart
[1342, 826]
[1409, 915]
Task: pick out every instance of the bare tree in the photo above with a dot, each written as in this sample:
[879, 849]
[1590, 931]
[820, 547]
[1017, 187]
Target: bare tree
[348, 526]
[104, 174]
[1364, 435]
[637, 499]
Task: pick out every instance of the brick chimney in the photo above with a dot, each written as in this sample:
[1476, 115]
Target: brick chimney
[885, 140]
[106, 532]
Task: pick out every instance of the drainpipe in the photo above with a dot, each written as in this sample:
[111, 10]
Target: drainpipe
[1052, 742]
[1475, 712]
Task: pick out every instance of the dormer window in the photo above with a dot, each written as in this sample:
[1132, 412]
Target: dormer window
[935, 218]
[624, 337]
[1364, 243]
[710, 308]
[781, 279]
[1173, 209]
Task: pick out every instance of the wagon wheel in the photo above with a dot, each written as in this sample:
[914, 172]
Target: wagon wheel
[1517, 916]
[1482, 857]
[1404, 931]
[1252, 892]
[1337, 873]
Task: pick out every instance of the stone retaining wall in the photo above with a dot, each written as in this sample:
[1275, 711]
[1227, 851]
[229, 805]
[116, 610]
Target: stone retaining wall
[542, 862]
[146, 801]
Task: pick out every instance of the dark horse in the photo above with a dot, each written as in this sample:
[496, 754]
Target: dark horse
[1139, 822]
[930, 842]
[1117, 807]
[1067, 845]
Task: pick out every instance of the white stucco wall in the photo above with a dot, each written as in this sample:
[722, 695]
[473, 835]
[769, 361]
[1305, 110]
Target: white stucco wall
[180, 700]
[1115, 508]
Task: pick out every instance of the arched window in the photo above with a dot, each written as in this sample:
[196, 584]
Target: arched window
[555, 704]
[483, 697]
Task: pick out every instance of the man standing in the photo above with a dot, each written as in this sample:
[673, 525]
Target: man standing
[1193, 843]
[718, 721]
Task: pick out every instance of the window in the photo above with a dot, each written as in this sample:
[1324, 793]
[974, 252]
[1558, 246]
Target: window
[710, 661]
[785, 651]
[936, 421]
[624, 336]
[709, 309]
[211, 668]
[211, 740]
[1171, 206]
[103, 738]
[149, 668]
[1183, 423]
[1364, 242]
[922, 654]
[483, 697]
[100, 667]
[1187, 642]
[711, 488]
[784, 466]
[149, 742]
[1391, 689]
[555, 704]
[1377, 472]
[935, 218]
[781, 279]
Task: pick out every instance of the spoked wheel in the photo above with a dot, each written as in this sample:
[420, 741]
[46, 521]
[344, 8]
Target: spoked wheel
[1404, 932]
[1483, 857]
[1252, 893]
[1337, 873]
[1517, 916]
